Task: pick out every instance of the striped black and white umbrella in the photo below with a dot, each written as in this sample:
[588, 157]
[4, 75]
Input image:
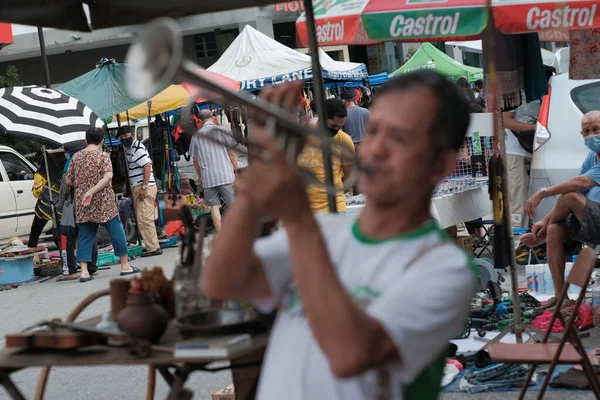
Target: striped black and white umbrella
[44, 115]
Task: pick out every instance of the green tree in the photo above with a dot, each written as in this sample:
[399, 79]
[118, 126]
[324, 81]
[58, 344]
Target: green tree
[9, 79]
[411, 52]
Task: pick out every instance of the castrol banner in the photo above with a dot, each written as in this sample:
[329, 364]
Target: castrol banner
[373, 21]
[336, 22]
[559, 16]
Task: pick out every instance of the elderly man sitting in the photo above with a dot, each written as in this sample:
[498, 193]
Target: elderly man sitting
[576, 214]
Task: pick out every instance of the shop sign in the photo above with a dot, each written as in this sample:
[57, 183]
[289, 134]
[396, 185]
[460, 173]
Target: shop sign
[304, 75]
[289, 6]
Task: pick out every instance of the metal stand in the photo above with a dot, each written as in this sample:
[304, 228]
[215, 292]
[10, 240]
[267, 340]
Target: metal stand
[319, 98]
[55, 232]
[44, 57]
[502, 200]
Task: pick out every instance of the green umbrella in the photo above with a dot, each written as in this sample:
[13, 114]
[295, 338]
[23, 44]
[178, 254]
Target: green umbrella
[102, 89]
[430, 57]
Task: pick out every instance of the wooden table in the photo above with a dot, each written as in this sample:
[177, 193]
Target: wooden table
[245, 363]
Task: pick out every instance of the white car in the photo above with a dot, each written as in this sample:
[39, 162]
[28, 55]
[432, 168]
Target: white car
[559, 150]
[17, 203]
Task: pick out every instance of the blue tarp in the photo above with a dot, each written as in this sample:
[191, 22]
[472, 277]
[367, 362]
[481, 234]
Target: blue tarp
[379, 79]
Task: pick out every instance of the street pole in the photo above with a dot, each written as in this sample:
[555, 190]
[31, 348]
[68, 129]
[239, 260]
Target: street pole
[44, 57]
[319, 99]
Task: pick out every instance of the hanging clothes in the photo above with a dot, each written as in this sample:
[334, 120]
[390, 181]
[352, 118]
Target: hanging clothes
[520, 71]
[585, 54]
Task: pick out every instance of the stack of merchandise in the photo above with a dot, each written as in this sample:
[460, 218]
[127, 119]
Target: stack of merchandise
[495, 377]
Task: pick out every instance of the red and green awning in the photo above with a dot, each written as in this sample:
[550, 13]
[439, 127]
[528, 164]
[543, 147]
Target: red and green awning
[6, 36]
[372, 21]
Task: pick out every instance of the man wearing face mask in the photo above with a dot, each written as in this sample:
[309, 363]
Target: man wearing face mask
[311, 157]
[576, 214]
[144, 189]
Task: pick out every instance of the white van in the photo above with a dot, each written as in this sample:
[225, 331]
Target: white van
[140, 129]
[17, 203]
[559, 150]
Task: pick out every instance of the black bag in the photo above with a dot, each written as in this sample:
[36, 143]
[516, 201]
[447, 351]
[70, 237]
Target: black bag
[525, 139]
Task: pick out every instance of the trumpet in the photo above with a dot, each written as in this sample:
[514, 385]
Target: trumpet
[155, 60]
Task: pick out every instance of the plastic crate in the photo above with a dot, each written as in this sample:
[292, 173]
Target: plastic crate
[16, 270]
[110, 258]
[106, 258]
[135, 251]
[170, 242]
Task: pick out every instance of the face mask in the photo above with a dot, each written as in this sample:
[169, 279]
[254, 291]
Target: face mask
[127, 142]
[593, 143]
[333, 131]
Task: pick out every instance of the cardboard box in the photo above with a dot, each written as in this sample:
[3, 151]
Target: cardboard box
[466, 243]
[224, 394]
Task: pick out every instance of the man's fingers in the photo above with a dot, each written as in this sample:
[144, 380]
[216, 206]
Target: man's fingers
[292, 96]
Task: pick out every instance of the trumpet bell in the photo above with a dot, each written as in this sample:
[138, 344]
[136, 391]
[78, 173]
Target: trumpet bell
[154, 59]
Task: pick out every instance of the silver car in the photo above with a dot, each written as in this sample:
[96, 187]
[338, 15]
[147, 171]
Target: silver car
[558, 147]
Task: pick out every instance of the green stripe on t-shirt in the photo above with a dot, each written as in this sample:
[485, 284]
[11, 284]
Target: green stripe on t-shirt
[428, 227]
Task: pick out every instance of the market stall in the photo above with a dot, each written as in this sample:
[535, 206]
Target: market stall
[464, 195]
[256, 60]
[103, 90]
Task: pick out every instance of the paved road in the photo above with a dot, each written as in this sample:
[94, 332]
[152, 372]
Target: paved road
[34, 302]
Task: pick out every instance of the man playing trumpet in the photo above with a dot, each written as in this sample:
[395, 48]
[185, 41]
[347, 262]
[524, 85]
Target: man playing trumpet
[366, 306]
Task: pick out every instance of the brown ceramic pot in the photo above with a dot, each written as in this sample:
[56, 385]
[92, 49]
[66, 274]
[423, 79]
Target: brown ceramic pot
[142, 318]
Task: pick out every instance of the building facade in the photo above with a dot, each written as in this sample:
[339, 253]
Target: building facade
[205, 38]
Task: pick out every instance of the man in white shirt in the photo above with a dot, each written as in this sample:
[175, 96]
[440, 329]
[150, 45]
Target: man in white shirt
[522, 120]
[143, 185]
[363, 302]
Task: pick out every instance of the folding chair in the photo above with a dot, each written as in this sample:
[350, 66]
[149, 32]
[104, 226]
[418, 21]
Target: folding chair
[481, 241]
[555, 353]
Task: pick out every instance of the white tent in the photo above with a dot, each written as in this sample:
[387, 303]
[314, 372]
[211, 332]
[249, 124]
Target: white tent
[256, 61]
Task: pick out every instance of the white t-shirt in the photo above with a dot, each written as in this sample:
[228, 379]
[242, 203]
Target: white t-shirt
[527, 113]
[513, 147]
[421, 306]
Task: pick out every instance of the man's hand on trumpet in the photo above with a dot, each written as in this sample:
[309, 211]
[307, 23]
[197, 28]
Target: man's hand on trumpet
[271, 185]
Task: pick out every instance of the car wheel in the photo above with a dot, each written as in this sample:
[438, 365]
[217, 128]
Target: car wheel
[130, 232]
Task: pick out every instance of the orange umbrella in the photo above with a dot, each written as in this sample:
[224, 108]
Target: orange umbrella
[176, 96]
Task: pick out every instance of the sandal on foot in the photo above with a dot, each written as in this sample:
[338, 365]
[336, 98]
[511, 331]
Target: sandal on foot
[89, 278]
[134, 271]
[65, 278]
[152, 253]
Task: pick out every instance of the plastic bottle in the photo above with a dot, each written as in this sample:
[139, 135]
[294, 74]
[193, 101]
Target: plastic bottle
[548, 281]
[539, 279]
[596, 304]
[529, 273]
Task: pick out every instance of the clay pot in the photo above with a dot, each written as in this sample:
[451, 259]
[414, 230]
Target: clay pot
[142, 318]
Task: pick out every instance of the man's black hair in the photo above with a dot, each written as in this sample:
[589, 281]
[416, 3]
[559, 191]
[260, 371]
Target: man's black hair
[124, 130]
[479, 83]
[335, 108]
[94, 135]
[348, 95]
[451, 117]
[463, 83]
